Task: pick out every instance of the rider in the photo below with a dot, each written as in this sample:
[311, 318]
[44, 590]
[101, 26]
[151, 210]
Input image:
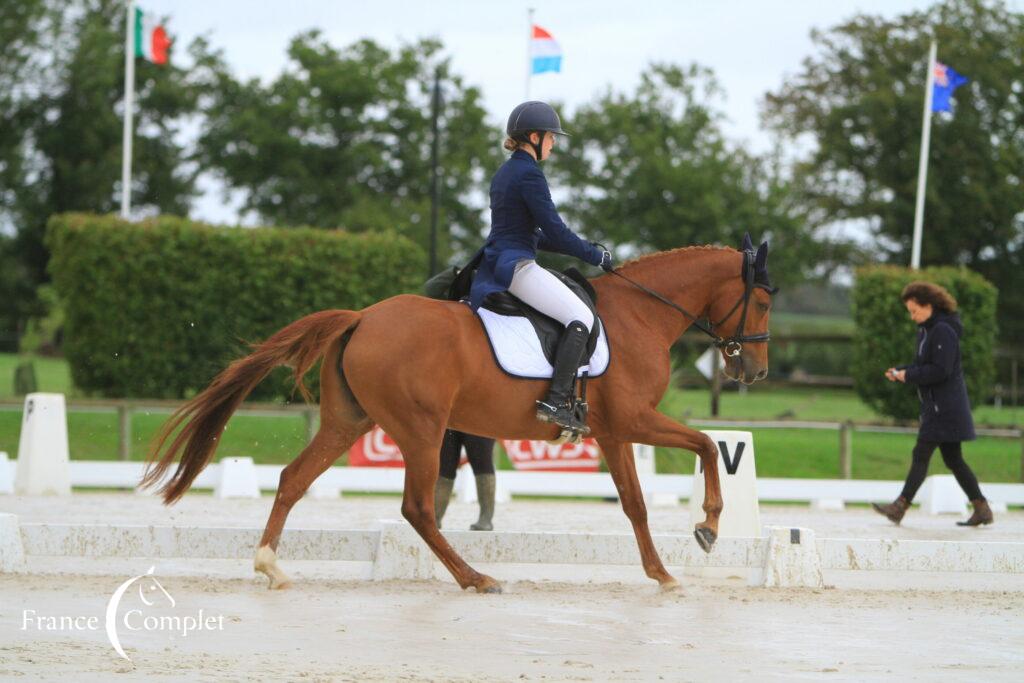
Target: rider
[523, 220]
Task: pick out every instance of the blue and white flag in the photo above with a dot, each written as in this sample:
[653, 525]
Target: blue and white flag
[545, 52]
[946, 81]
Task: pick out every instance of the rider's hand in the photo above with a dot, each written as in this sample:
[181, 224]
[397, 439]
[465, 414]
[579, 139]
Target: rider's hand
[606, 261]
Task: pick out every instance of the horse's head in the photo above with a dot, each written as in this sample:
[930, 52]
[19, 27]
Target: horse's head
[741, 309]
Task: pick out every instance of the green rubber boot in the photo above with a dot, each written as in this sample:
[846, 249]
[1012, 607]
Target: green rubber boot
[442, 494]
[485, 485]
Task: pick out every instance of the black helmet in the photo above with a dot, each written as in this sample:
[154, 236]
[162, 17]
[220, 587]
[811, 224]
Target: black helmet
[531, 116]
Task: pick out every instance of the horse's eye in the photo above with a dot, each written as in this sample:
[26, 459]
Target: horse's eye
[762, 307]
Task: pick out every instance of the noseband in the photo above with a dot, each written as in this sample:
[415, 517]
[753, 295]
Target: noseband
[732, 345]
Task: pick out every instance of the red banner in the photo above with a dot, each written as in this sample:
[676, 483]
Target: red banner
[376, 449]
[541, 455]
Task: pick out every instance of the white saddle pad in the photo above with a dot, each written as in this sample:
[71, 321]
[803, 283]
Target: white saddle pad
[518, 352]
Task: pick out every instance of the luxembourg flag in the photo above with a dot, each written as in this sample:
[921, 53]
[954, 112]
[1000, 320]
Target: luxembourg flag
[545, 53]
[151, 39]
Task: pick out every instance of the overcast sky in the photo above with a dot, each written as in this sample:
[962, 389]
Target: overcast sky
[750, 45]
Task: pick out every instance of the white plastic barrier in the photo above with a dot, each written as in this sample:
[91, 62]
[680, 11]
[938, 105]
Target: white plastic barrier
[43, 447]
[791, 560]
[12, 554]
[237, 479]
[786, 557]
[741, 515]
[942, 494]
[6, 474]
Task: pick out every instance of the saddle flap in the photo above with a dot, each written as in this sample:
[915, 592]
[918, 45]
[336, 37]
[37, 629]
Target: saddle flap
[549, 330]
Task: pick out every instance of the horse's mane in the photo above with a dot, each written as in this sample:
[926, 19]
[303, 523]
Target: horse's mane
[659, 255]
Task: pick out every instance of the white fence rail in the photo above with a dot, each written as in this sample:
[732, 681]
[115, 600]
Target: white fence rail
[117, 474]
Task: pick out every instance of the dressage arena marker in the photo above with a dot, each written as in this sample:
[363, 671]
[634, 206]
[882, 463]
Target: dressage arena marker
[43, 447]
[738, 476]
[784, 557]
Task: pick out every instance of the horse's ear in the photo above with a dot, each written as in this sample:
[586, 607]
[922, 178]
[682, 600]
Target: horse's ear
[761, 258]
[748, 244]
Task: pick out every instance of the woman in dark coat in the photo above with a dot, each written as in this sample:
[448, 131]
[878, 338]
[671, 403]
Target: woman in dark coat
[945, 408]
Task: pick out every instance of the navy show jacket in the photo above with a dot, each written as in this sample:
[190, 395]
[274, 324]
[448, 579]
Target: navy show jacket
[937, 372]
[523, 220]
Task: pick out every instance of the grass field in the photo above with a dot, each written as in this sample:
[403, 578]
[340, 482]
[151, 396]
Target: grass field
[780, 452]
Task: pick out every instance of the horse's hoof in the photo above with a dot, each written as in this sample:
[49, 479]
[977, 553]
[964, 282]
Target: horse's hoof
[489, 586]
[280, 585]
[670, 586]
[705, 538]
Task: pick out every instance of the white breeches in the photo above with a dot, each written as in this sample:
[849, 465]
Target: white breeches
[545, 292]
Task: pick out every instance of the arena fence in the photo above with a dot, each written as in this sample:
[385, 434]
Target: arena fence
[845, 430]
[782, 557]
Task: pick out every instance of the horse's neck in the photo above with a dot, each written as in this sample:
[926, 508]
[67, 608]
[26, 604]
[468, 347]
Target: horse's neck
[689, 278]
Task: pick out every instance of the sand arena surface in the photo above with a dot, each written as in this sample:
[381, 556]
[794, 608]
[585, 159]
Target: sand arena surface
[608, 624]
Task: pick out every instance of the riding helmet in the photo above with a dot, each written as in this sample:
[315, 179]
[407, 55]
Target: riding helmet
[533, 116]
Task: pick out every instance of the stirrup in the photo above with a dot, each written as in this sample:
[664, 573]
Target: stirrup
[564, 416]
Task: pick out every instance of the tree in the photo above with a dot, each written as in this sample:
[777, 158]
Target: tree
[342, 139]
[652, 170]
[859, 101]
[61, 92]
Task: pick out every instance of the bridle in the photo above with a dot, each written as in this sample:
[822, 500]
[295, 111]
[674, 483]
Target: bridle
[732, 345]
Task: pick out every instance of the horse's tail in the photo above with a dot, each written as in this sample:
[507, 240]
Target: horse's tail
[299, 345]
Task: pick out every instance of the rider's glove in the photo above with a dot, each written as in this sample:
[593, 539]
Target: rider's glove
[606, 261]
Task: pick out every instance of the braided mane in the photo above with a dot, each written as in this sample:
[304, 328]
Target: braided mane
[659, 255]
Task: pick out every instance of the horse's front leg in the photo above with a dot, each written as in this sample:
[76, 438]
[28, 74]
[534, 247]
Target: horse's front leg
[622, 467]
[656, 429]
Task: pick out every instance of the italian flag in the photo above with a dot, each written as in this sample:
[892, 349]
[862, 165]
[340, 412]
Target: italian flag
[151, 39]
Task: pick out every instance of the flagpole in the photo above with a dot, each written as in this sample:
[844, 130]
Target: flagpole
[922, 168]
[529, 44]
[129, 105]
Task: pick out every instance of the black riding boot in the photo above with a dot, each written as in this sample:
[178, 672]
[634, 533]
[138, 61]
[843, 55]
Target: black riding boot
[557, 407]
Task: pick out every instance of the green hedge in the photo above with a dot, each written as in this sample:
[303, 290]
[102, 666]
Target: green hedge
[156, 309]
[885, 336]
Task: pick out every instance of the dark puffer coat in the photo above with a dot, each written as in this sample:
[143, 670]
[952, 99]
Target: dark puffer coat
[937, 372]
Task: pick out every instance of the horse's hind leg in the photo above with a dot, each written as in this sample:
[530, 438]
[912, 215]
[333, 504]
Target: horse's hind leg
[326, 447]
[342, 421]
[619, 457]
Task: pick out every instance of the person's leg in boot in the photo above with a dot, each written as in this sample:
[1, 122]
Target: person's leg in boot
[480, 451]
[557, 407]
[545, 292]
[952, 455]
[895, 510]
[451, 448]
[485, 485]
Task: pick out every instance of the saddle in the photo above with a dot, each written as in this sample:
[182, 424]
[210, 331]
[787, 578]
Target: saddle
[523, 340]
[549, 330]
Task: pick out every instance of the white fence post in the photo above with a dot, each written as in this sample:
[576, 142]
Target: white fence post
[43, 467]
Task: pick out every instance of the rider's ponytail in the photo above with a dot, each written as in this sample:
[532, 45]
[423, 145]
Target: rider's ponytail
[511, 145]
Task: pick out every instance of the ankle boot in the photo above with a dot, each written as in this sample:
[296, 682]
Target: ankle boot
[442, 494]
[894, 510]
[557, 407]
[982, 514]
[485, 485]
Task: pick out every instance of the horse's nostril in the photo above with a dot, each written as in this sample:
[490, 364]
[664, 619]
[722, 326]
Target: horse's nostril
[762, 374]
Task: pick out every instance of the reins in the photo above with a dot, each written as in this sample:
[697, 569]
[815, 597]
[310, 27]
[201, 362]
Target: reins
[733, 344]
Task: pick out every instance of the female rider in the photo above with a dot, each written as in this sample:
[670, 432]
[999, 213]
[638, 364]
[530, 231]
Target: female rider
[523, 220]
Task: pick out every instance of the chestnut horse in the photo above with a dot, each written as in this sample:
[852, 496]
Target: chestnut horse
[415, 366]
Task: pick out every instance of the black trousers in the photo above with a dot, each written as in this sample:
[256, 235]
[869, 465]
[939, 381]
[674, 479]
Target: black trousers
[952, 455]
[479, 449]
